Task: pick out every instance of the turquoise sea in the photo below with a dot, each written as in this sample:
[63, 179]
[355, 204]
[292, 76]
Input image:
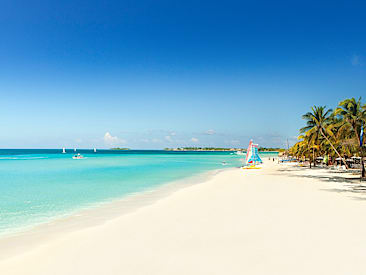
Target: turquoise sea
[37, 186]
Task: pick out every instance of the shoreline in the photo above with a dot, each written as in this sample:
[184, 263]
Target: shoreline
[33, 236]
[280, 219]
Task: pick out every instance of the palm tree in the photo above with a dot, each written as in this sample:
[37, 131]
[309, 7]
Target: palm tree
[302, 149]
[353, 116]
[317, 123]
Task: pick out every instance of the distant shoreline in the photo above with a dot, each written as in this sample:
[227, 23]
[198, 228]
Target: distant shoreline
[210, 149]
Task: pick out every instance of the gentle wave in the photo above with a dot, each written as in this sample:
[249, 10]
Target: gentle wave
[22, 158]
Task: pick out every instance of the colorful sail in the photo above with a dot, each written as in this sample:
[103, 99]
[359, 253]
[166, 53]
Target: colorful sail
[252, 154]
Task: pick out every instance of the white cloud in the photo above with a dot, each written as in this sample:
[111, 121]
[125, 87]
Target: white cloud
[113, 140]
[194, 139]
[356, 60]
[210, 132]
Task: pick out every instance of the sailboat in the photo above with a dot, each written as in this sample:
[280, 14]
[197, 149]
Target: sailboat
[95, 150]
[252, 158]
[63, 150]
[74, 149]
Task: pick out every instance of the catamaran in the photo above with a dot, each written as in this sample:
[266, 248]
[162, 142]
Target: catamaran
[252, 158]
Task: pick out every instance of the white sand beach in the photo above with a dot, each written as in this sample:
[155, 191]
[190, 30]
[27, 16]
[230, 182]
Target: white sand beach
[276, 220]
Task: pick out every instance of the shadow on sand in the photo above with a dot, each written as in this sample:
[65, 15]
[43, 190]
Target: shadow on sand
[350, 181]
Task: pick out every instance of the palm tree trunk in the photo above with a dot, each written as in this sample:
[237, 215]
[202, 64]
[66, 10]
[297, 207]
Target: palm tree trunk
[361, 154]
[310, 158]
[362, 163]
[363, 172]
[321, 131]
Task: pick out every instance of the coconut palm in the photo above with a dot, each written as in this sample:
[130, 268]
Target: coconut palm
[317, 125]
[353, 116]
[303, 148]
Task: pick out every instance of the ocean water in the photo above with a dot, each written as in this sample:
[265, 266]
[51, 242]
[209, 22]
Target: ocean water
[37, 186]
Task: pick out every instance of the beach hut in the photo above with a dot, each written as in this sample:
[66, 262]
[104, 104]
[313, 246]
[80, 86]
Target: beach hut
[319, 160]
[340, 161]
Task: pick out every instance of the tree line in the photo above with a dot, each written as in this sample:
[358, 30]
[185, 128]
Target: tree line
[337, 133]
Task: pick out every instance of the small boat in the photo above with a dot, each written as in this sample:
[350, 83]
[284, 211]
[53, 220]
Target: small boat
[252, 158]
[251, 167]
[239, 153]
[78, 156]
[63, 150]
[95, 150]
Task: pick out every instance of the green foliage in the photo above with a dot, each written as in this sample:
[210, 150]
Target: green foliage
[335, 134]
[270, 149]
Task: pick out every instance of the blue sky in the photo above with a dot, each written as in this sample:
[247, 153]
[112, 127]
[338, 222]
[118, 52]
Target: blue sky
[155, 74]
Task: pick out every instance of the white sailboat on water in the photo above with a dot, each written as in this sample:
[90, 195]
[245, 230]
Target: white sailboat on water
[95, 150]
[63, 150]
